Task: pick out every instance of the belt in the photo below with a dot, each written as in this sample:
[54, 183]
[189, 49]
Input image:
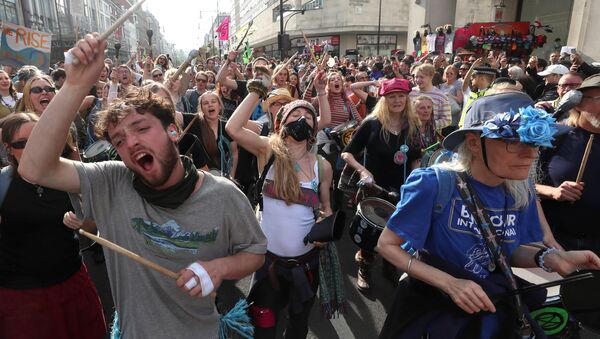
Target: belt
[289, 263]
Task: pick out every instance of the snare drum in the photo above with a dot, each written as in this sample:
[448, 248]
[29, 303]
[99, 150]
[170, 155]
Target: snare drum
[582, 300]
[371, 216]
[438, 156]
[101, 150]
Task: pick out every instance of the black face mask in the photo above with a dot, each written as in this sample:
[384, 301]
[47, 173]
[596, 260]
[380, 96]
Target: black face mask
[300, 130]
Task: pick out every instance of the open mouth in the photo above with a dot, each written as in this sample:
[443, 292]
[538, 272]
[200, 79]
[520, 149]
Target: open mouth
[44, 102]
[145, 161]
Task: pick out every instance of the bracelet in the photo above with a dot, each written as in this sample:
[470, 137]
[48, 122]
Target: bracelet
[321, 94]
[541, 255]
[257, 87]
[408, 266]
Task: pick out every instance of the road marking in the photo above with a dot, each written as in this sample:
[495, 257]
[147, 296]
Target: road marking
[341, 327]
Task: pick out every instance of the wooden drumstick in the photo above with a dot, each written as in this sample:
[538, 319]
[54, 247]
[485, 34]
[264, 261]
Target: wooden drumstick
[112, 28]
[312, 55]
[586, 155]
[133, 256]
[285, 66]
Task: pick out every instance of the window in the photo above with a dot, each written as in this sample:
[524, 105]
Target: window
[8, 11]
[366, 44]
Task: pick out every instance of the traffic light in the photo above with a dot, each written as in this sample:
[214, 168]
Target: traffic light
[283, 41]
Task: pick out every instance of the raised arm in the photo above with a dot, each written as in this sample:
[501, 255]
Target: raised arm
[324, 118]
[467, 79]
[222, 74]
[235, 127]
[357, 88]
[41, 163]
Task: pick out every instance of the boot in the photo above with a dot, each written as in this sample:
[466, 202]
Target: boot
[363, 279]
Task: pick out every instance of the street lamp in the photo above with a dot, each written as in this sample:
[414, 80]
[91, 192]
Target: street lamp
[280, 38]
[379, 28]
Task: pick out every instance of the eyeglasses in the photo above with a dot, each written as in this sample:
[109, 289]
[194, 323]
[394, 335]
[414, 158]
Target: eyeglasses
[574, 85]
[201, 80]
[594, 99]
[38, 90]
[518, 147]
[18, 144]
[157, 75]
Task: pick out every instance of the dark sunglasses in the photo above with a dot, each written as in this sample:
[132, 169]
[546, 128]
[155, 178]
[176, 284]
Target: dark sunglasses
[156, 75]
[201, 80]
[38, 90]
[18, 144]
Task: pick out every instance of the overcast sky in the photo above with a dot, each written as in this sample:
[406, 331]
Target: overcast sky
[183, 20]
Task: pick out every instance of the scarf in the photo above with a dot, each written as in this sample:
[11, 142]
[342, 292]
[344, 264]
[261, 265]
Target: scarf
[331, 291]
[170, 197]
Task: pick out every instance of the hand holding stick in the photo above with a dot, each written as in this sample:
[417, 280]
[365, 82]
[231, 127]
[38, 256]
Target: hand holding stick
[312, 55]
[586, 154]
[244, 37]
[70, 59]
[285, 66]
[133, 256]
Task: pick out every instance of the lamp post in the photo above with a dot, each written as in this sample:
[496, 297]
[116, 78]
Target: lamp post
[281, 38]
[379, 28]
[149, 34]
[117, 48]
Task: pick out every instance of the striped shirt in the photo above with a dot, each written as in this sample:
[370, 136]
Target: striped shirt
[341, 110]
[441, 106]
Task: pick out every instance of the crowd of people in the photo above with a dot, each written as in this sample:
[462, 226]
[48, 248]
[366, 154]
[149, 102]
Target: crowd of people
[219, 170]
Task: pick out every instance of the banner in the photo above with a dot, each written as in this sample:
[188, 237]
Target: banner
[223, 29]
[21, 46]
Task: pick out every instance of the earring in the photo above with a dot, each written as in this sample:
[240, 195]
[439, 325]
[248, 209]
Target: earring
[173, 133]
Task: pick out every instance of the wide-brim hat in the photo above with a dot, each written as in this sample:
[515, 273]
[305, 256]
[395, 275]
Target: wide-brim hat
[590, 82]
[484, 110]
[278, 94]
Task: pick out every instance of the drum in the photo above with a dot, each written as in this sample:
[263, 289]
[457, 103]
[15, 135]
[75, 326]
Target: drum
[371, 216]
[438, 156]
[582, 300]
[342, 134]
[101, 150]
[551, 316]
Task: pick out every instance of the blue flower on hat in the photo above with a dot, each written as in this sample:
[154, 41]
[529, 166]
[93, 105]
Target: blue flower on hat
[531, 125]
[536, 127]
[502, 126]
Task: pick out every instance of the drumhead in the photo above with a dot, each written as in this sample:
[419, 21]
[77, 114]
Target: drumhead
[438, 156]
[376, 211]
[582, 300]
[96, 148]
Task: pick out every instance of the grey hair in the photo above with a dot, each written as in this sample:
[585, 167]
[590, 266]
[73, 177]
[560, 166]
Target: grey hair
[517, 71]
[520, 190]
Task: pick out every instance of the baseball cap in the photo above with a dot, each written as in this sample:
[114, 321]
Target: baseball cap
[554, 69]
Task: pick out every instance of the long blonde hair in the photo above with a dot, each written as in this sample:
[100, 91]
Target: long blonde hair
[408, 116]
[520, 190]
[287, 185]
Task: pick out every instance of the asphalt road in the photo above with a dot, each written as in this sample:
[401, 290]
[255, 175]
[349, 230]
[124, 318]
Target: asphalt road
[363, 319]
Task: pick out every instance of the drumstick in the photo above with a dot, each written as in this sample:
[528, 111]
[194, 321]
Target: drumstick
[586, 154]
[312, 55]
[245, 34]
[187, 128]
[132, 255]
[526, 289]
[110, 30]
[285, 66]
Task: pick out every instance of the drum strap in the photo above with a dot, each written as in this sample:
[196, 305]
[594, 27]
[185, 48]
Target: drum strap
[483, 222]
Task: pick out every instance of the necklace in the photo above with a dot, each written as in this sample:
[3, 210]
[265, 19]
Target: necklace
[299, 169]
[39, 190]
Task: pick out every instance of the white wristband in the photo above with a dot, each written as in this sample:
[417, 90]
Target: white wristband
[69, 57]
[205, 281]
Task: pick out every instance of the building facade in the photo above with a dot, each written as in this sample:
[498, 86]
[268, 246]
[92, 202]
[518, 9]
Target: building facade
[69, 20]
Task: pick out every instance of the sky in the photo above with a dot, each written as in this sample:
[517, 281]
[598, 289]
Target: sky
[183, 19]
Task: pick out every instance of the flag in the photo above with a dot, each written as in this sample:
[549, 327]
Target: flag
[223, 29]
[247, 53]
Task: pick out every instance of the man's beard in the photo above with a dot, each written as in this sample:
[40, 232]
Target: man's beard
[167, 165]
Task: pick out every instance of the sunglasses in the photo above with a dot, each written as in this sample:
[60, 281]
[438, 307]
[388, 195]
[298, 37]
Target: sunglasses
[18, 144]
[38, 90]
[156, 75]
[201, 80]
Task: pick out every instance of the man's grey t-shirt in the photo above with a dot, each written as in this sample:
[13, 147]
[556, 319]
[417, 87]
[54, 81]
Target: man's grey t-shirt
[216, 221]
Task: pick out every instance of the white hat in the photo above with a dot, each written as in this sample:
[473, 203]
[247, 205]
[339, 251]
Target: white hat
[554, 69]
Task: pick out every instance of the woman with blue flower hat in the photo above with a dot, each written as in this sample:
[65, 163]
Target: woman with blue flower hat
[460, 226]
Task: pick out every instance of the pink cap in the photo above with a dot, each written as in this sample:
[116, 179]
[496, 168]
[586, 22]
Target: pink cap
[394, 85]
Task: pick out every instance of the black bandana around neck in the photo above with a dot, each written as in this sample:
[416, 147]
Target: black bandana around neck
[171, 197]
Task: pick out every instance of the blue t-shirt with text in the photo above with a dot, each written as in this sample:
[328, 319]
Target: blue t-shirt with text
[453, 234]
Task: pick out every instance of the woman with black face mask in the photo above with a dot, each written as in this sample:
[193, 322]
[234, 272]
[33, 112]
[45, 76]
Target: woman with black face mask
[295, 195]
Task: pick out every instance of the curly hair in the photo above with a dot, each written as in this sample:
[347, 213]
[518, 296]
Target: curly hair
[138, 101]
